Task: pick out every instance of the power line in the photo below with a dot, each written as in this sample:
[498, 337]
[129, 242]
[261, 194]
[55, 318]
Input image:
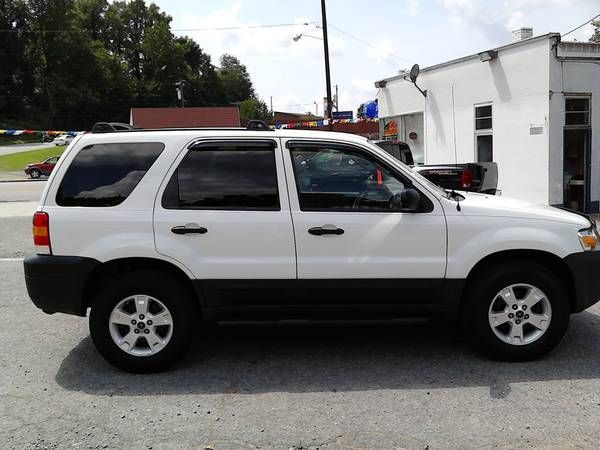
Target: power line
[580, 26]
[362, 41]
[249, 27]
[297, 104]
[185, 30]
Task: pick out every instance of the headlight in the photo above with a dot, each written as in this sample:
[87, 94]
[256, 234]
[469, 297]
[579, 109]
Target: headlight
[588, 238]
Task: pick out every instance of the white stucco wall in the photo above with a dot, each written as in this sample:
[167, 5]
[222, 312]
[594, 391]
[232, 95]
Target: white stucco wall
[517, 85]
[573, 77]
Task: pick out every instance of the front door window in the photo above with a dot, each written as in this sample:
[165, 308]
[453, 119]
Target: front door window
[336, 179]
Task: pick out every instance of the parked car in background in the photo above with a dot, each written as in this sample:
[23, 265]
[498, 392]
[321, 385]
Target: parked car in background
[63, 139]
[36, 170]
[472, 177]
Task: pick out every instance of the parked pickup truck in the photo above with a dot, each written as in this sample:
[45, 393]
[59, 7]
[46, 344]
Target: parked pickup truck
[474, 177]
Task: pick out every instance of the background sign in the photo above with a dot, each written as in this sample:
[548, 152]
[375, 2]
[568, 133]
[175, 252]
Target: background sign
[343, 115]
[390, 129]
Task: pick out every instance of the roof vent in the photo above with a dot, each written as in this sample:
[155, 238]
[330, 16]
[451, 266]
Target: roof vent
[521, 34]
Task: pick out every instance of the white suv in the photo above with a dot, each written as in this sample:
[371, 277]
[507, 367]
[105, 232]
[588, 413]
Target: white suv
[158, 231]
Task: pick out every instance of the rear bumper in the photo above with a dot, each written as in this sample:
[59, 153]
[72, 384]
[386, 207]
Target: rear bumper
[585, 269]
[56, 283]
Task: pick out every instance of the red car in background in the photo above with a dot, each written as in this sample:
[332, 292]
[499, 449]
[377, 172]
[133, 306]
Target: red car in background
[36, 170]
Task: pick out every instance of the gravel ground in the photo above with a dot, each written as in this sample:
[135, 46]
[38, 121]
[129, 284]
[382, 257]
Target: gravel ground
[326, 386]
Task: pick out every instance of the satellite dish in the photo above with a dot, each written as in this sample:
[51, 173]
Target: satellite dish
[414, 73]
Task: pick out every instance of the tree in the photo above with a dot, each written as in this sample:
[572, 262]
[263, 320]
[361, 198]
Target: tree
[596, 36]
[253, 108]
[235, 79]
[16, 80]
[70, 63]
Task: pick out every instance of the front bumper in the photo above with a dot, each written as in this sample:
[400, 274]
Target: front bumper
[585, 269]
[56, 283]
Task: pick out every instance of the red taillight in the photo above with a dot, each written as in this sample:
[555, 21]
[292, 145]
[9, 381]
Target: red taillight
[466, 179]
[41, 231]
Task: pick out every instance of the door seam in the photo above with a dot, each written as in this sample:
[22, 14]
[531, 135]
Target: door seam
[287, 190]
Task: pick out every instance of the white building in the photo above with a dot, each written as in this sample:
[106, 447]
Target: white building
[532, 106]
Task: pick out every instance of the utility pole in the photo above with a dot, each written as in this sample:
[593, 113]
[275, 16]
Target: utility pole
[272, 112]
[337, 99]
[326, 51]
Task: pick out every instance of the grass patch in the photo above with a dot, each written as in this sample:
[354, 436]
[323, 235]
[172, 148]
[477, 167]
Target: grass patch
[18, 161]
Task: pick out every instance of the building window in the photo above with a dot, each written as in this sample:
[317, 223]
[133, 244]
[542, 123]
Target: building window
[483, 117]
[577, 111]
[485, 148]
[484, 140]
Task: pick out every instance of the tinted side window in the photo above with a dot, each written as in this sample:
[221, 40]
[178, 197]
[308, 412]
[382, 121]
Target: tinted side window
[240, 177]
[105, 174]
[343, 180]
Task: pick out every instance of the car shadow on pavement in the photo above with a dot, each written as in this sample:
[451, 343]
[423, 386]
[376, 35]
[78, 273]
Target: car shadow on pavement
[320, 358]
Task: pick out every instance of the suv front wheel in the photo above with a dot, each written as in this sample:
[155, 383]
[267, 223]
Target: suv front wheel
[142, 322]
[516, 313]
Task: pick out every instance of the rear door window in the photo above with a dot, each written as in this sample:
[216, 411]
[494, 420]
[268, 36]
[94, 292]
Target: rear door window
[106, 174]
[236, 176]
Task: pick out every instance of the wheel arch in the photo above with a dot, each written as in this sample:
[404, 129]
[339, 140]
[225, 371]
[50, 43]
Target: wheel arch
[544, 258]
[120, 266]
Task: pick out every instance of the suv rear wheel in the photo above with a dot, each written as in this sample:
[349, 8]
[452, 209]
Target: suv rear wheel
[142, 322]
[516, 313]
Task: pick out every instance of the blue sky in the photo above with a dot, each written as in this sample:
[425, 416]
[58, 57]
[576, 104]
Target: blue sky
[401, 33]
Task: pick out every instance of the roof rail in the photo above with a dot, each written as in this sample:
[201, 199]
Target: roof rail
[110, 127]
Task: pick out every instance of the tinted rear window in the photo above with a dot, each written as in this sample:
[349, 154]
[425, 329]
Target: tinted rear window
[105, 174]
[237, 177]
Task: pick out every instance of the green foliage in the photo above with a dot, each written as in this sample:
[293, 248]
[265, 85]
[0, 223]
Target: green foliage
[75, 62]
[18, 161]
[255, 109]
[596, 36]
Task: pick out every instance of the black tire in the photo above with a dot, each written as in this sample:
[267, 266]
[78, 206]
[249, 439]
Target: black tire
[481, 293]
[35, 173]
[161, 286]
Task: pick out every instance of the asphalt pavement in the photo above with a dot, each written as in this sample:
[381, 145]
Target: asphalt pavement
[286, 386]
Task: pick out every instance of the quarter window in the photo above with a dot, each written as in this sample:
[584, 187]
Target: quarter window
[343, 179]
[105, 174]
[225, 177]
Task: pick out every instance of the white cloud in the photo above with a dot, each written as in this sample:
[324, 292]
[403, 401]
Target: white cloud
[254, 42]
[497, 20]
[582, 35]
[413, 7]
[383, 50]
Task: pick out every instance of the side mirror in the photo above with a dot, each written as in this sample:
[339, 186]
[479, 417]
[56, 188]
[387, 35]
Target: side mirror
[406, 201]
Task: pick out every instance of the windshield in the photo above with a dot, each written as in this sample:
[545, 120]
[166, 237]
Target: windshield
[440, 190]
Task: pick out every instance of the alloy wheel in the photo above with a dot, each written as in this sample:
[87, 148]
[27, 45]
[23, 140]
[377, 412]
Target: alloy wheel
[141, 325]
[520, 314]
